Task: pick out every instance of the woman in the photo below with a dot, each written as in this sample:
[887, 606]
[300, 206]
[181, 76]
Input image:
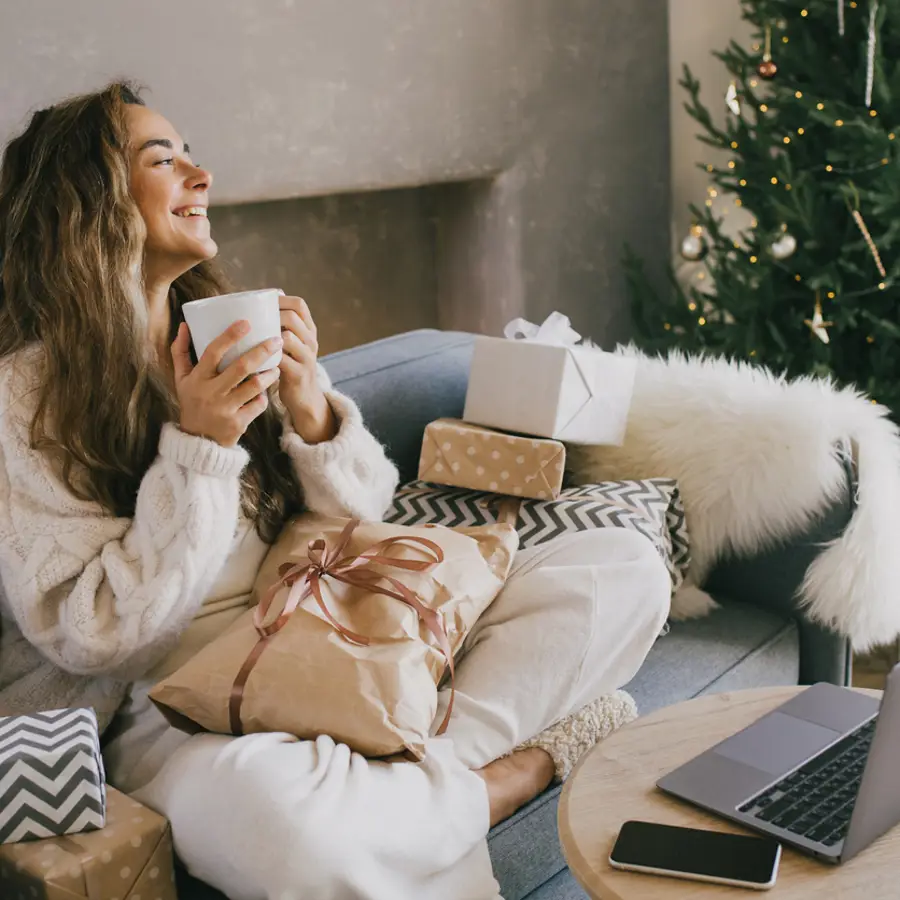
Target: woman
[139, 492]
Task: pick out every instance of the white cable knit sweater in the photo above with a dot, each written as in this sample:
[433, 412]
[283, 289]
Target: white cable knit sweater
[90, 602]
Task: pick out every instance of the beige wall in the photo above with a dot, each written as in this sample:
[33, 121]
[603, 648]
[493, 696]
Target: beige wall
[696, 28]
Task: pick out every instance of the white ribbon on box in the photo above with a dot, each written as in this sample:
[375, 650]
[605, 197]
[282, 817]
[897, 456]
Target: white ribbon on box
[555, 329]
[502, 390]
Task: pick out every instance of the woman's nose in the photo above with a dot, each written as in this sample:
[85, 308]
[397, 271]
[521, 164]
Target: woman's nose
[200, 179]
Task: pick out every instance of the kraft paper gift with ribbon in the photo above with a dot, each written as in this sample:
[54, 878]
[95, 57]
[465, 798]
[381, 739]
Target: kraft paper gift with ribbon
[539, 380]
[356, 625]
[463, 455]
[129, 858]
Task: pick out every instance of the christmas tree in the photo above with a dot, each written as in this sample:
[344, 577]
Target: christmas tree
[812, 284]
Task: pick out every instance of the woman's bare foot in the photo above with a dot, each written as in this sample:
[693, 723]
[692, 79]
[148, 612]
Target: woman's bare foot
[515, 779]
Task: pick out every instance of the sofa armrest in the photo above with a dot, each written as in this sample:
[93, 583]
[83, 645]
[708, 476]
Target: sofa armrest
[772, 579]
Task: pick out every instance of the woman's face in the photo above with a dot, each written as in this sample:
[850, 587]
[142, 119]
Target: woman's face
[172, 194]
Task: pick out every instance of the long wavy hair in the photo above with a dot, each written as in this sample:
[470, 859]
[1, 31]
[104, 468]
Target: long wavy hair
[71, 251]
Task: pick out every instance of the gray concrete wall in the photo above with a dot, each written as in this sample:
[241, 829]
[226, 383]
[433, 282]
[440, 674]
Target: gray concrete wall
[556, 109]
[365, 262]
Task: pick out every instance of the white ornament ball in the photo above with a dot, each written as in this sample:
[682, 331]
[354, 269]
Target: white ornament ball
[694, 247]
[784, 247]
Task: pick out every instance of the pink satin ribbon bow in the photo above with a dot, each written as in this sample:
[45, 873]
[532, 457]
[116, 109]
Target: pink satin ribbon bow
[305, 579]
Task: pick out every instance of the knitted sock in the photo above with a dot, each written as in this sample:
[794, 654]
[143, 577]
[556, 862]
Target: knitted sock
[570, 738]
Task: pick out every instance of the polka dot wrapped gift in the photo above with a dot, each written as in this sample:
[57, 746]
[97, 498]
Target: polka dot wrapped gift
[129, 859]
[458, 454]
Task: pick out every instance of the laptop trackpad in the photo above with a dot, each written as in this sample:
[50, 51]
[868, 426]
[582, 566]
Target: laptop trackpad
[777, 743]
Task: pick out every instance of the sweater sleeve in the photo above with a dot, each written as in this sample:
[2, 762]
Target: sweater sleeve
[99, 594]
[350, 475]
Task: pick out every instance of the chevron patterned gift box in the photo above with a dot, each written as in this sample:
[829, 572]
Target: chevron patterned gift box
[650, 506]
[51, 775]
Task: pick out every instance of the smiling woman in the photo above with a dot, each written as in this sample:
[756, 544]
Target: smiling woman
[140, 487]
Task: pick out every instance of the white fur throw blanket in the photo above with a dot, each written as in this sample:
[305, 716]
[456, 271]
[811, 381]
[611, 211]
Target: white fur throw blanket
[757, 458]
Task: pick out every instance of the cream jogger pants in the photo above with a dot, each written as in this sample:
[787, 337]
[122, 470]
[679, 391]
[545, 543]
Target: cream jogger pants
[267, 817]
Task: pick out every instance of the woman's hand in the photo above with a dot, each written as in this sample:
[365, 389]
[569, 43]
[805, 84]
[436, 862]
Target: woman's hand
[222, 406]
[310, 412]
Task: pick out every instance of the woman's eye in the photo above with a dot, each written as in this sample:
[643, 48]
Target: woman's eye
[165, 162]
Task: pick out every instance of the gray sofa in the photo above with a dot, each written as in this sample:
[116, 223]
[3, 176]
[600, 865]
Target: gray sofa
[757, 638]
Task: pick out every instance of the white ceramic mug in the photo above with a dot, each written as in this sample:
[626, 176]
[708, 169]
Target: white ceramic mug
[210, 317]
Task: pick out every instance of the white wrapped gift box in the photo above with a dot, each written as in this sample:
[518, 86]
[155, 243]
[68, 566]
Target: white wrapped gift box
[545, 385]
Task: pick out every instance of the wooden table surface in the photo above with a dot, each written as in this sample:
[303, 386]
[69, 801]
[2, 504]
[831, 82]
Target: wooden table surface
[616, 781]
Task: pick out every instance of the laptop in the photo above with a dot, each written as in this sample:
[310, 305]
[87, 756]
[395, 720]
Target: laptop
[818, 773]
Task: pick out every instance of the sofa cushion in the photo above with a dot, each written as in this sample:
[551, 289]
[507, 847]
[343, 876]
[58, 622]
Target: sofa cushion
[737, 646]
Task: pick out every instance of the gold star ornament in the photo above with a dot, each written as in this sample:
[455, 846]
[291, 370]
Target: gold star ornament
[817, 324]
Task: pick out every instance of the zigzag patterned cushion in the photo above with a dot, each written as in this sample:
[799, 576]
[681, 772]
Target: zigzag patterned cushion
[651, 507]
[51, 775]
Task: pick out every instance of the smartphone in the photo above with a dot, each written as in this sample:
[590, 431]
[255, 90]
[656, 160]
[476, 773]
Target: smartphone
[696, 854]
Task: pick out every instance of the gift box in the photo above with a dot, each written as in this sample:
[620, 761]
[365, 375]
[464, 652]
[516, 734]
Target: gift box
[463, 455]
[538, 381]
[51, 775]
[130, 858]
[371, 614]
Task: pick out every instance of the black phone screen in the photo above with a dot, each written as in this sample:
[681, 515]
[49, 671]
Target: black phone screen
[696, 852]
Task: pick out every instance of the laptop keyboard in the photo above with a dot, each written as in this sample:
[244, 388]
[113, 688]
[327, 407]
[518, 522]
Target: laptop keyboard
[816, 800]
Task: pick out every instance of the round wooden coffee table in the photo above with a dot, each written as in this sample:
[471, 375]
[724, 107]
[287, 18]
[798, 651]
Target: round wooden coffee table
[616, 782]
